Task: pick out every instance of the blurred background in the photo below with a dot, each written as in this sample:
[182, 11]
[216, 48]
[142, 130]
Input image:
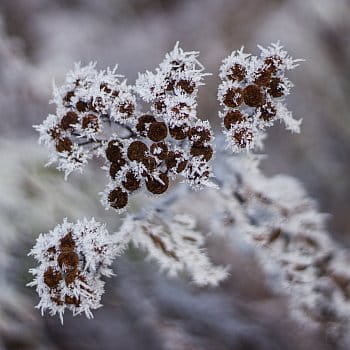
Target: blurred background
[41, 39]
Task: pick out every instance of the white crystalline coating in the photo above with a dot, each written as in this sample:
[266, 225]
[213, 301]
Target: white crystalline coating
[175, 244]
[89, 242]
[267, 73]
[96, 98]
[299, 257]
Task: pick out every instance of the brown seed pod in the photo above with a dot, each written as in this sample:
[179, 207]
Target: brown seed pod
[68, 97]
[201, 150]
[181, 110]
[162, 146]
[156, 187]
[150, 163]
[157, 131]
[243, 137]
[142, 123]
[64, 144]
[116, 167]
[159, 106]
[263, 77]
[118, 198]
[90, 121]
[71, 300]
[253, 96]
[187, 85]
[233, 97]
[199, 134]
[237, 72]
[131, 182]
[104, 87]
[81, 106]
[113, 152]
[170, 85]
[275, 88]
[69, 120]
[268, 112]
[71, 276]
[67, 242]
[171, 160]
[181, 165]
[55, 132]
[273, 62]
[178, 132]
[52, 277]
[233, 117]
[69, 259]
[137, 150]
[127, 108]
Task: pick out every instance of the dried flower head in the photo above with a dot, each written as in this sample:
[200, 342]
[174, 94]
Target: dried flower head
[252, 94]
[72, 259]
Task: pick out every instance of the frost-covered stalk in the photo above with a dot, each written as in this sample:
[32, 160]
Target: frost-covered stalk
[148, 135]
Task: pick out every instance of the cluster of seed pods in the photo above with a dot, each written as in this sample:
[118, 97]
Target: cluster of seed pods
[252, 94]
[72, 259]
[168, 141]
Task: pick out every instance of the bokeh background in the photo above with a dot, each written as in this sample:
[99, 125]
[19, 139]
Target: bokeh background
[41, 39]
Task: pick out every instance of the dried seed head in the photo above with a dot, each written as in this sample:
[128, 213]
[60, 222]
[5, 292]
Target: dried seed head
[186, 85]
[127, 108]
[69, 259]
[64, 144]
[263, 77]
[233, 117]
[178, 132]
[275, 88]
[233, 97]
[150, 163]
[131, 183]
[171, 159]
[243, 137]
[67, 98]
[237, 72]
[81, 106]
[137, 150]
[157, 131]
[104, 87]
[116, 167]
[71, 276]
[199, 134]
[201, 150]
[143, 122]
[273, 62]
[71, 300]
[55, 132]
[67, 242]
[268, 112]
[118, 198]
[90, 121]
[253, 96]
[52, 277]
[155, 186]
[159, 106]
[69, 120]
[160, 150]
[113, 152]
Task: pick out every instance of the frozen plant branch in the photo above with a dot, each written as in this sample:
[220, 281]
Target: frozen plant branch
[149, 135]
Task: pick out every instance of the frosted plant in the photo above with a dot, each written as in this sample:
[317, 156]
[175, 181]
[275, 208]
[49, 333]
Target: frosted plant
[72, 258]
[252, 94]
[172, 240]
[148, 135]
